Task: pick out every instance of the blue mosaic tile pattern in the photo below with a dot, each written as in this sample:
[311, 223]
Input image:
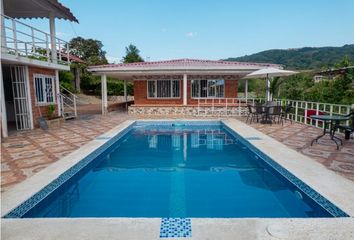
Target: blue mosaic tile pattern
[253, 138]
[27, 205]
[102, 138]
[177, 123]
[303, 187]
[175, 227]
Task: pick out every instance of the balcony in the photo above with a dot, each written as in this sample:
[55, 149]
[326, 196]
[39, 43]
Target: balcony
[22, 43]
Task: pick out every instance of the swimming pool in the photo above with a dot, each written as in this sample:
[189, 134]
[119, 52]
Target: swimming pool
[178, 170]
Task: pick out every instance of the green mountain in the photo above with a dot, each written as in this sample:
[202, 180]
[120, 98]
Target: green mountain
[301, 58]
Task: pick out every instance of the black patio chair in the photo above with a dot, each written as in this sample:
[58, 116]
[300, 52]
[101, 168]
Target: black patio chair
[275, 113]
[348, 129]
[251, 113]
[284, 114]
[260, 111]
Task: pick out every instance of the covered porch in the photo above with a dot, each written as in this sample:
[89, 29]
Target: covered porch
[178, 87]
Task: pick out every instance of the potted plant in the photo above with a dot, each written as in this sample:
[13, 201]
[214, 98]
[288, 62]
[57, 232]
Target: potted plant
[53, 120]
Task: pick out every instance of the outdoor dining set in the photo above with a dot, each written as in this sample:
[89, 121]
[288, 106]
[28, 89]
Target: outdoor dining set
[268, 113]
[273, 112]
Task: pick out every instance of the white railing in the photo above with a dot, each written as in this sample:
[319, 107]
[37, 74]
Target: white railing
[225, 106]
[20, 39]
[68, 103]
[303, 109]
[300, 112]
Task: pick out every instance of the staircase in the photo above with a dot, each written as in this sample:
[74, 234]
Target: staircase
[68, 104]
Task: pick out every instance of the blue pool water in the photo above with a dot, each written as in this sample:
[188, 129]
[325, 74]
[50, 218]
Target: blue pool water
[178, 171]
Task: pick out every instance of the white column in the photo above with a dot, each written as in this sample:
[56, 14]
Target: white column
[104, 94]
[29, 98]
[246, 89]
[125, 94]
[57, 91]
[125, 91]
[184, 89]
[268, 88]
[3, 106]
[52, 37]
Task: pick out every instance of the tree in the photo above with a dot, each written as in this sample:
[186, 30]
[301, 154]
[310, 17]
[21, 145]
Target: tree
[132, 55]
[344, 63]
[89, 50]
[275, 86]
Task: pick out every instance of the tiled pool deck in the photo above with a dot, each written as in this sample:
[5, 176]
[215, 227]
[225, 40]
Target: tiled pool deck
[24, 154]
[299, 137]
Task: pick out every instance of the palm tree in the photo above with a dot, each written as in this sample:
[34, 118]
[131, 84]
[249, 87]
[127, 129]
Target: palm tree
[274, 86]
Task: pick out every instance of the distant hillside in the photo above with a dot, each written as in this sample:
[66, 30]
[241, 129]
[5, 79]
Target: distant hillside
[301, 58]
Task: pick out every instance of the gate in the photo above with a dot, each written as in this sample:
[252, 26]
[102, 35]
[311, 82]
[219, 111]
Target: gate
[20, 95]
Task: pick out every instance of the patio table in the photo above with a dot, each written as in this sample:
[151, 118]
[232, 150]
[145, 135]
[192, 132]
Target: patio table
[329, 120]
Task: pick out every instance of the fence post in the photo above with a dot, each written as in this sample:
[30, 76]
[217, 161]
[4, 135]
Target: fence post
[317, 111]
[75, 109]
[239, 107]
[306, 114]
[296, 110]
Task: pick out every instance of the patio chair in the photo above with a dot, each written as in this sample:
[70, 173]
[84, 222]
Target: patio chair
[251, 113]
[259, 111]
[284, 114]
[274, 113]
[348, 129]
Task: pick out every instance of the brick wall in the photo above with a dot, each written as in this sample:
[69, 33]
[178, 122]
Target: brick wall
[140, 95]
[36, 109]
[140, 89]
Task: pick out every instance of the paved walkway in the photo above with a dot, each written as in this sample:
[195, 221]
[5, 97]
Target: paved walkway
[23, 154]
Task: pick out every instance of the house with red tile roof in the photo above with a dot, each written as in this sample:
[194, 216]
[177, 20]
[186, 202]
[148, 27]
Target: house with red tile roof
[177, 86]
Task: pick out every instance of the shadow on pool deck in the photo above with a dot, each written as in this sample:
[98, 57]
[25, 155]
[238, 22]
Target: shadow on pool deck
[25, 153]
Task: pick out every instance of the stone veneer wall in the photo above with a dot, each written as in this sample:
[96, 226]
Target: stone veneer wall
[186, 111]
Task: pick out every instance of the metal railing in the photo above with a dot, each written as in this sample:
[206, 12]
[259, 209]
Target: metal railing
[301, 110]
[68, 103]
[20, 39]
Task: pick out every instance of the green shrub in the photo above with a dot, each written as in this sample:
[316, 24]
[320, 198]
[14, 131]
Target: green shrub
[51, 109]
[66, 79]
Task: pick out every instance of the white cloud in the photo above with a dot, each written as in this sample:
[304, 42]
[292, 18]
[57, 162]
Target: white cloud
[191, 34]
[112, 59]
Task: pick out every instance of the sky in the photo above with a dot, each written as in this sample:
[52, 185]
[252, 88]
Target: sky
[207, 29]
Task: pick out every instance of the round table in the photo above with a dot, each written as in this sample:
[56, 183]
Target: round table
[329, 120]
